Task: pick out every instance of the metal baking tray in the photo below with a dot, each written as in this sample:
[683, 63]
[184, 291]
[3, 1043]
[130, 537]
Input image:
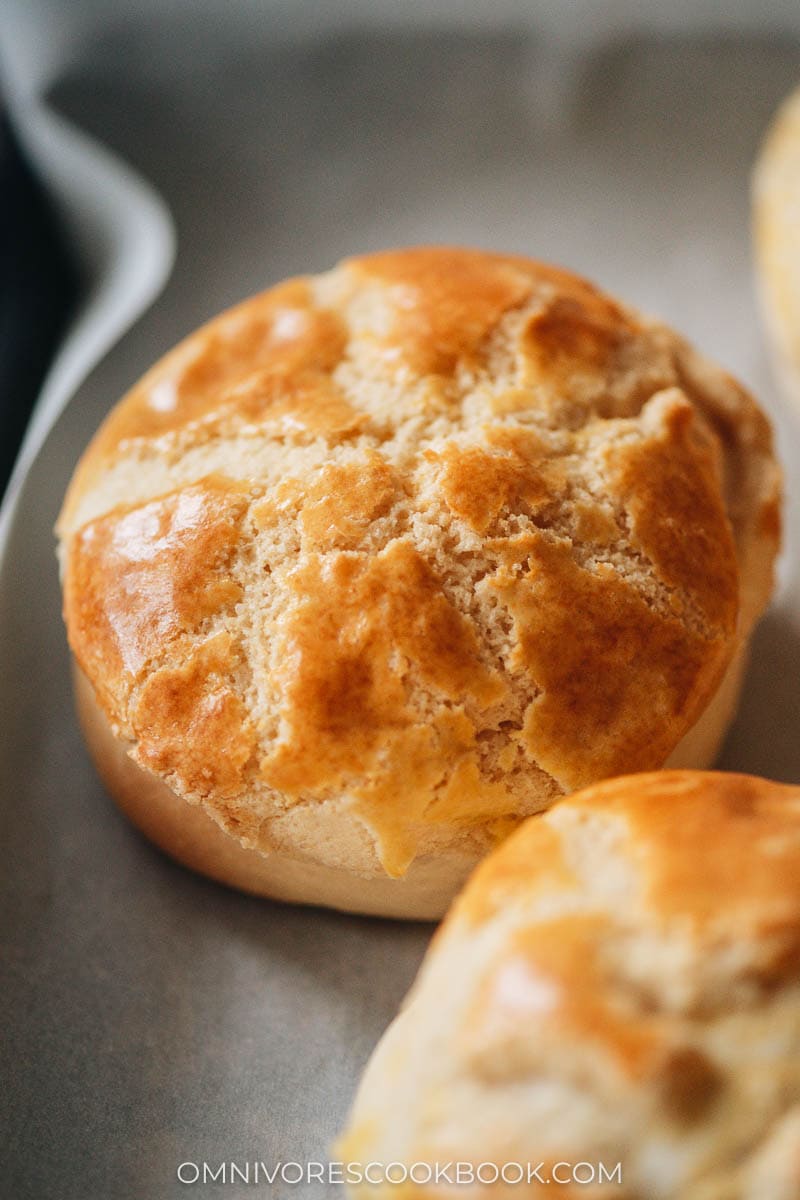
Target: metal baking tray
[149, 1017]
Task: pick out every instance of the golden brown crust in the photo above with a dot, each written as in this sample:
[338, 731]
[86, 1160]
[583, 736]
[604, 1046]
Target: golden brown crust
[189, 834]
[743, 831]
[433, 537]
[263, 361]
[447, 302]
[618, 982]
[746, 832]
[189, 722]
[139, 579]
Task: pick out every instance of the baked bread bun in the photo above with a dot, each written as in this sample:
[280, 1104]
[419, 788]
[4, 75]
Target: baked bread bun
[380, 562]
[776, 229]
[619, 983]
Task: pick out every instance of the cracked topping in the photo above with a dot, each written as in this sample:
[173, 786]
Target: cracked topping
[441, 533]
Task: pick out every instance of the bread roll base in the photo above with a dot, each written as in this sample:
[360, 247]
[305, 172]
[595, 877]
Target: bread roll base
[189, 835]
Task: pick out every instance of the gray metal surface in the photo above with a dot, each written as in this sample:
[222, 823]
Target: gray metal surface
[150, 1017]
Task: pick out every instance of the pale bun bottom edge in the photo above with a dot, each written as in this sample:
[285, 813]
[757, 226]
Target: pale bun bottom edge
[187, 833]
